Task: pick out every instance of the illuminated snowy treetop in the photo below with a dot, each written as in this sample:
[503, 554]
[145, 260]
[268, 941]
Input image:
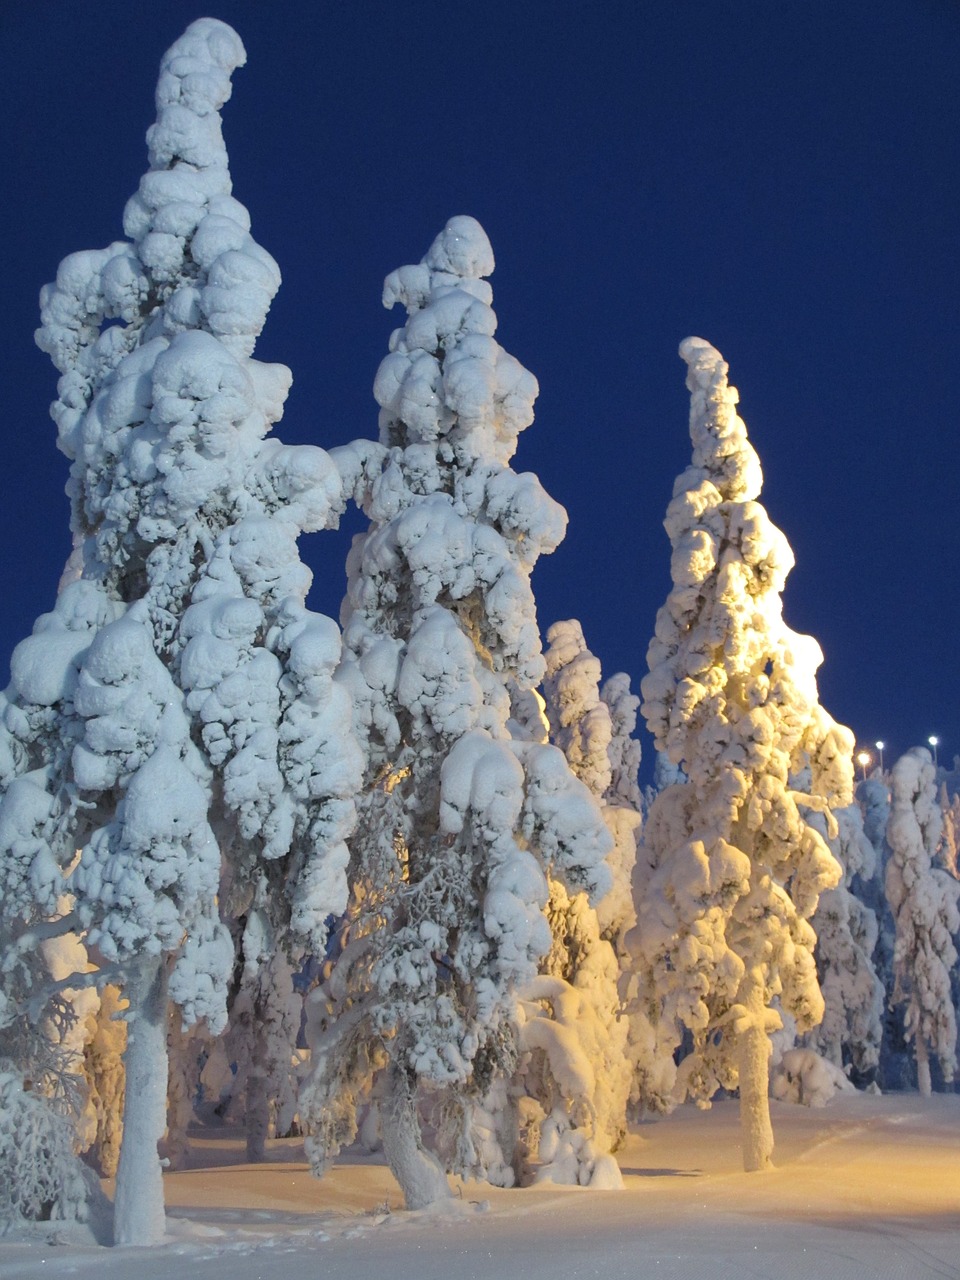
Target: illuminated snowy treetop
[580, 722]
[723, 660]
[624, 749]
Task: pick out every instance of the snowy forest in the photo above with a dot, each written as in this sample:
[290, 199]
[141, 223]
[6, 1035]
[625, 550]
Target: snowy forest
[390, 883]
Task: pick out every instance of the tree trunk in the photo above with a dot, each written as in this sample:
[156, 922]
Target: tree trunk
[138, 1207]
[420, 1174]
[756, 1131]
[923, 1064]
[257, 1111]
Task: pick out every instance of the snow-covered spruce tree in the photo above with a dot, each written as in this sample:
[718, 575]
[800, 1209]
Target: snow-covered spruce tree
[622, 807]
[924, 902]
[731, 695]
[896, 1060]
[592, 727]
[460, 823]
[624, 749]
[852, 1028]
[178, 704]
[265, 1018]
[577, 1077]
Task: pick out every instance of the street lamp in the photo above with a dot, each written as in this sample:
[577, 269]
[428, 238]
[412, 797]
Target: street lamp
[863, 759]
[934, 742]
[879, 746]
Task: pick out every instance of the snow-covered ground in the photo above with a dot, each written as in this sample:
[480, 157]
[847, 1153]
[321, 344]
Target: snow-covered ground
[867, 1187]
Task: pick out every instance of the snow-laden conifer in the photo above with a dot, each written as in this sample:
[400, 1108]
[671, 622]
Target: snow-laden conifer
[178, 703]
[578, 1076]
[580, 721]
[734, 872]
[847, 930]
[896, 1059]
[624, 749]
[264, 1024]
[460, 823]
[593, 727]
[924, 902]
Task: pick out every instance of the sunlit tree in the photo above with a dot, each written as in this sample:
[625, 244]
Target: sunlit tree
[734, 869]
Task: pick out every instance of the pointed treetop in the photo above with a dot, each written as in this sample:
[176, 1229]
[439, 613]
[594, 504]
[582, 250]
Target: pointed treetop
[720, 444]
[462, 249]
[194, 84]
[447, 382]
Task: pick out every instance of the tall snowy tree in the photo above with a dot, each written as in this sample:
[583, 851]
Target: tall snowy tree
[460, 823]
[735, 871]
[924, 901]
[178, 705]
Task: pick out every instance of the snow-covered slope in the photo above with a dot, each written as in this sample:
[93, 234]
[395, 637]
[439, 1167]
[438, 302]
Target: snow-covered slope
[866, 1187]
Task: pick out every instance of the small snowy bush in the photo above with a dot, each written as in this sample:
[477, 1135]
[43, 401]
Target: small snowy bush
[40, 1175]
[805, 1077]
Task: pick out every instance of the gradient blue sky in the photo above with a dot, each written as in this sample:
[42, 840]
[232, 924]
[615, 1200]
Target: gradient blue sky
[780, 179]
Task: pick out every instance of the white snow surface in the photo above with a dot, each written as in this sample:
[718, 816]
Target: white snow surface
[865, 1187]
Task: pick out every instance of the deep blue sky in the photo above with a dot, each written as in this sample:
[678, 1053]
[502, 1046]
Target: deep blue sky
[780, 179]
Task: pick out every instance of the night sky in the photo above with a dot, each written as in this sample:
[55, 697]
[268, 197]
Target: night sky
[780, 179]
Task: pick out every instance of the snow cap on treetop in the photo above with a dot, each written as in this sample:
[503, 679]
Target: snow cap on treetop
[194, 82]
[446, 382]
[462, 248]
[720, 444]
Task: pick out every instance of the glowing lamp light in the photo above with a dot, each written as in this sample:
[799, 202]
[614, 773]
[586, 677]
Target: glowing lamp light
[934, 742]
[880, 746]
[863, 759]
